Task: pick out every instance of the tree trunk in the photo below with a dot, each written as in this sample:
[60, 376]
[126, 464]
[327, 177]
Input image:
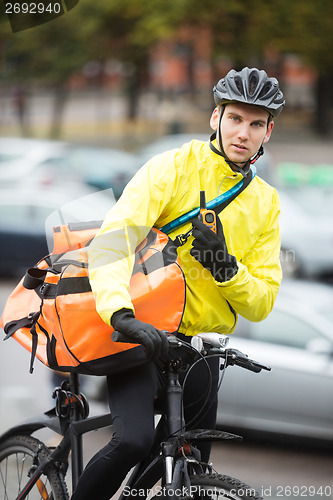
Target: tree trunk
[133, 91]
[60, 98]
[323, 104]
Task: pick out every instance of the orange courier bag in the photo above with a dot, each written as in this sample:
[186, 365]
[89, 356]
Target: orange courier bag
[52, 311]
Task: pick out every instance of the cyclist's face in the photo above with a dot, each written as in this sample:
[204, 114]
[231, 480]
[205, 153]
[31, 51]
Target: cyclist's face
[243, 129]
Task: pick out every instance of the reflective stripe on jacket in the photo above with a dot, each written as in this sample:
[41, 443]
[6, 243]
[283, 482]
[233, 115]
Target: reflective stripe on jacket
[164, 188]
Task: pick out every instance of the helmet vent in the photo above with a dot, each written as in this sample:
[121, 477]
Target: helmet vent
[253, 84]
[239, 85]
[265, 91]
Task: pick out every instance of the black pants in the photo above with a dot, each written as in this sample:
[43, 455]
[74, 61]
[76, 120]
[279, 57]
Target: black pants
[131, 399]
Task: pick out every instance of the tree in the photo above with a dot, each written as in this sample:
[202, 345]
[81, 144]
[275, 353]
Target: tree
[307, 30]
[127, 30]
[47, 55]
[244, 31]
[124, 29]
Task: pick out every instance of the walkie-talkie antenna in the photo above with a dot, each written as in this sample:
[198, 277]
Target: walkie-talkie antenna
[202, 200]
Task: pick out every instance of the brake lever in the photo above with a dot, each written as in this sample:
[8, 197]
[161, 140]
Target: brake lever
[236, 357]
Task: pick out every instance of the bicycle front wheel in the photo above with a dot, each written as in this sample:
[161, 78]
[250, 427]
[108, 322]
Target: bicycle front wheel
[219, 486]
[200, 487]
[19, 457]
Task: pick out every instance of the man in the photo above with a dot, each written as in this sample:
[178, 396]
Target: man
[236, 271]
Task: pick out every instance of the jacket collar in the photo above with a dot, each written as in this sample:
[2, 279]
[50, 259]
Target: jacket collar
[213, 146]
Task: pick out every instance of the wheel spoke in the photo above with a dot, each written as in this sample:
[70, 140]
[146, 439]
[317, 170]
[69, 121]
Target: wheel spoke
[19, 456]
[4, 475]
[19, 468]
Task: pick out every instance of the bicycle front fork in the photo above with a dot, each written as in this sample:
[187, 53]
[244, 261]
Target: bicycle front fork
[175, 417]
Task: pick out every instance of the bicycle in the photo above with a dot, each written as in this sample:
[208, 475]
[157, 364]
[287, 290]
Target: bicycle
[173, 468]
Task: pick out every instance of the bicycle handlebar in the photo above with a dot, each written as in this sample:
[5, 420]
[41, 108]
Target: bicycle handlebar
[209, 343]
[236, 357]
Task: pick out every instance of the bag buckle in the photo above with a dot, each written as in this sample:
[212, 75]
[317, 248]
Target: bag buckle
[181, 239]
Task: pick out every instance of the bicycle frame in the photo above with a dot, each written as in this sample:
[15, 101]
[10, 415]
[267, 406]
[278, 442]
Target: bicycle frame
[168, 454]
[170, 437]
[174, 422]
[72, 428]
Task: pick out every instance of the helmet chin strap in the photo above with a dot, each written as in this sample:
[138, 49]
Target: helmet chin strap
[234, 166]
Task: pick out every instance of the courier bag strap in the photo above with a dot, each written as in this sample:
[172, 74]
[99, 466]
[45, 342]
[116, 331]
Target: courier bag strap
[169, 252]
[34, 280]
[26, 322]
[217, 204]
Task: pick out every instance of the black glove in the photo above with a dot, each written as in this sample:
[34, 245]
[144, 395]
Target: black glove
[211, 251]
[154, 341]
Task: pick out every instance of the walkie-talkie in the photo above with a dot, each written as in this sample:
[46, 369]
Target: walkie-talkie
[208, 217]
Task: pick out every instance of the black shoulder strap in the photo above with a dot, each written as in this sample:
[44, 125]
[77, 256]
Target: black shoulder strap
[246, 182]
[217, 204]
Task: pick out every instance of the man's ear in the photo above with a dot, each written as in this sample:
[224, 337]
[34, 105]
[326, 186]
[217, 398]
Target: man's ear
[214, 119]
[268, 132]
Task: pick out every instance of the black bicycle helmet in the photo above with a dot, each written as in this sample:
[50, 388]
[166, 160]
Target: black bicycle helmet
[250, 86]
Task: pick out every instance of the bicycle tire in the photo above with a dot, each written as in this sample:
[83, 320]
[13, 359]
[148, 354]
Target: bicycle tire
[216, 486]
[202, 487]
[18, 457]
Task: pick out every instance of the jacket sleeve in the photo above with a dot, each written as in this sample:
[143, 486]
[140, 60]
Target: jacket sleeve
[253, 290]
[112, 252]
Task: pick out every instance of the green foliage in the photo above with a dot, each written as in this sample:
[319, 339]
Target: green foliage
[123, 29]
[127, 30]
[244, 29]
[48, 53]
[306, 28]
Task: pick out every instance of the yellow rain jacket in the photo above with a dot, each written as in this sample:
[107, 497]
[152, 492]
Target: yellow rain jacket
[166, 187]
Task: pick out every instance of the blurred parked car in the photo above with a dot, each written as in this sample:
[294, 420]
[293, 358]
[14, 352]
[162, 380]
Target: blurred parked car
[28, 214]
[44, 162]
[296, 340]
[306, 232]
[101, 168]
[20, 156]
[313, 200]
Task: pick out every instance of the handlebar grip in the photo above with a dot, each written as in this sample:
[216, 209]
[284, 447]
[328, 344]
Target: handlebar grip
[248, 365]
[240, 359]
[120, 337]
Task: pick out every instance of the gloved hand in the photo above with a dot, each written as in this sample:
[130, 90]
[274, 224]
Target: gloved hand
[211, 251]
[154, 341]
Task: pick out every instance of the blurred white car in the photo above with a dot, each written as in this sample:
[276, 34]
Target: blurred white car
[306, 233]
[27, 215]
[19, 156]
[42, 162]
[296, 340]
